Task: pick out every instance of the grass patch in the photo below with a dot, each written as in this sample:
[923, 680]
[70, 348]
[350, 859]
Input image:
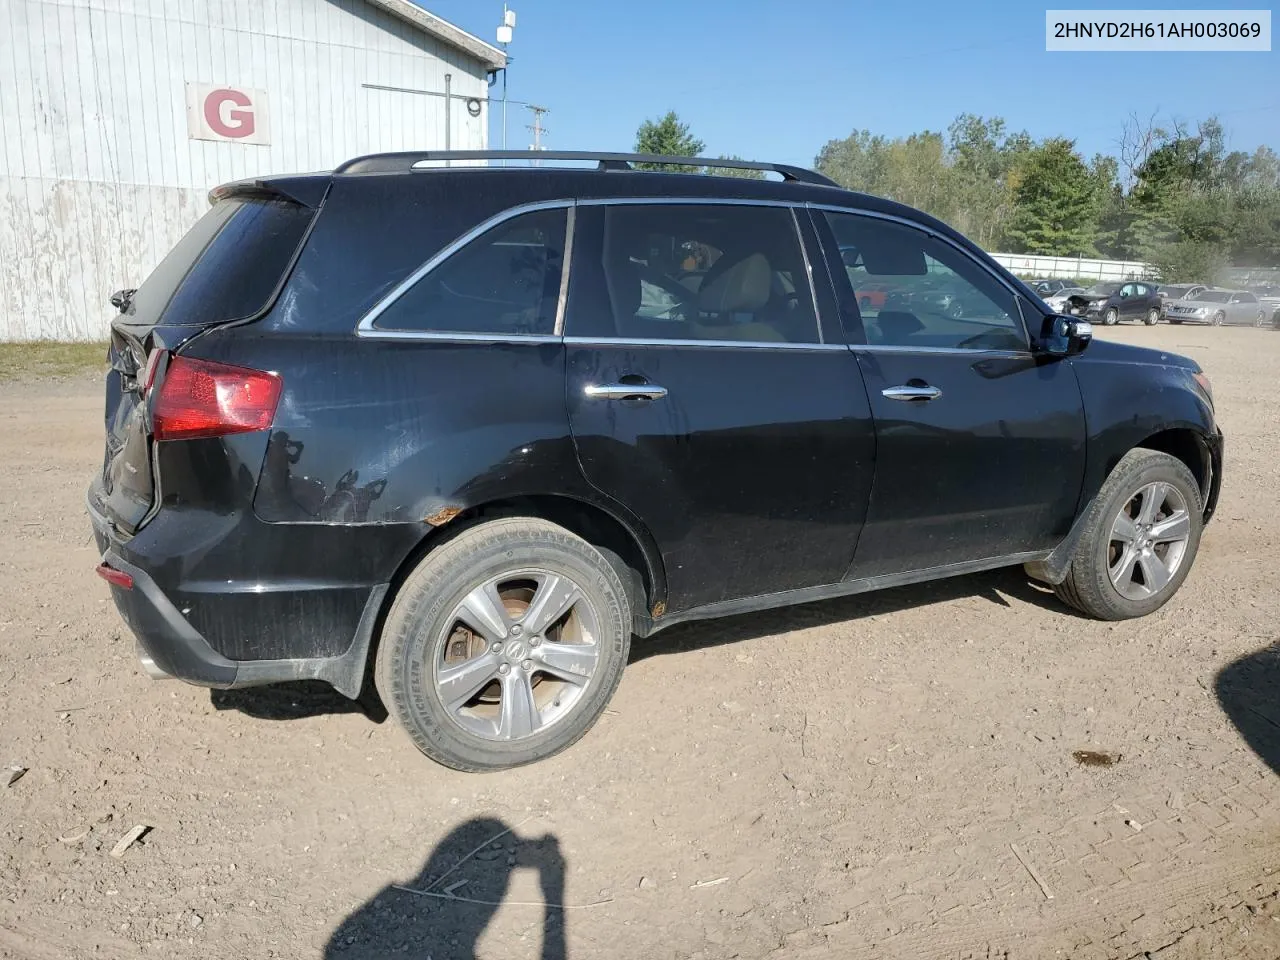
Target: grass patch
[34, 361]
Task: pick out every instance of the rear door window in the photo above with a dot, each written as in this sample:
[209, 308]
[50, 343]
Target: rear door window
[226, 267]
[506, 281]
[706, 272]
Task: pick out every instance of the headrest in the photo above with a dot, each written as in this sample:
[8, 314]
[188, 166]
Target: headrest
[742, 288]
[897, 325]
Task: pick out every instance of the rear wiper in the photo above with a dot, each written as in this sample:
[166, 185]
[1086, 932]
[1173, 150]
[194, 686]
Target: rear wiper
[122, 298]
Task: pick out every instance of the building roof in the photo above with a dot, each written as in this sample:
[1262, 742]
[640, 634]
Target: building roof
[444, 31]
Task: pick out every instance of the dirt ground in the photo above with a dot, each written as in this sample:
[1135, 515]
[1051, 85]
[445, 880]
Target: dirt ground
[883, 776]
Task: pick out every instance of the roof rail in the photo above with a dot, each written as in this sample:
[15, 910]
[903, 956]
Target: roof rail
[407, 161]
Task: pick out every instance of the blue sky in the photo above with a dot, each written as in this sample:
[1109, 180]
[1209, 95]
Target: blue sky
[776, 80]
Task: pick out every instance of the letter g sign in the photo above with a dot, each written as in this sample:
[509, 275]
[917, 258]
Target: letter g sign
[238, 123]
[236, 114]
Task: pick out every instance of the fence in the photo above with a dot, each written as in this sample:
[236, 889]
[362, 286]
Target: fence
[1083, 267]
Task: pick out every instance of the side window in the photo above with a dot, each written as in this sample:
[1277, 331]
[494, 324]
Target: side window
[707, 272]
[1247, 298]
[506, 281]
[914, 290]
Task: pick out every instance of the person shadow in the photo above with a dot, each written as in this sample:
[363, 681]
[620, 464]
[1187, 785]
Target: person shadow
[1248, 691]
[459, 889]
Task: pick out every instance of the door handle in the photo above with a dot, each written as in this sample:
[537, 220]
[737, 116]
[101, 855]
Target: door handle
[910, 393]
[625, 391]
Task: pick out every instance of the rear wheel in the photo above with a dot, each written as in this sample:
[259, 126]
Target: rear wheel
[1261, 321]
[1111, 317]
[1140, 539]
[504, 645]
[1153, 317]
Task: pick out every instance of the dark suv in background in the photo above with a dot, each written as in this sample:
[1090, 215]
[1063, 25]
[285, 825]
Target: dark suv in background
[457, 434]
[1109, 303]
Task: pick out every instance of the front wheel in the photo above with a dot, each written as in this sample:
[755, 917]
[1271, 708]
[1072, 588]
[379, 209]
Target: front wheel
[1153, 317]
[1218, 319]
[1140, 539]
[504, 645]
[1111, 317]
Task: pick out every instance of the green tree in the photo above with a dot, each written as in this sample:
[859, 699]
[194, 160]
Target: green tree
[1057, 202]
[912, 170]
[669, 137]
[743, 173]
[983, 154]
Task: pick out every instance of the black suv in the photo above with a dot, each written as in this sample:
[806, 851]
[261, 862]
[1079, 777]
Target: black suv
[1112, 302]
[456, 434]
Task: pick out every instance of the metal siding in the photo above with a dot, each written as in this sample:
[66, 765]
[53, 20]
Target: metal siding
[98, 178]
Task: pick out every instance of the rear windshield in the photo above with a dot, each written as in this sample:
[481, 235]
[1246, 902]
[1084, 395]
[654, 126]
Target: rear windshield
[227, 265]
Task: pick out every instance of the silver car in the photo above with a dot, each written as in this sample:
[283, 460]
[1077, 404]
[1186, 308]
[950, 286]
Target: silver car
[1057, 302]
[1178, 291]
[1217, 307]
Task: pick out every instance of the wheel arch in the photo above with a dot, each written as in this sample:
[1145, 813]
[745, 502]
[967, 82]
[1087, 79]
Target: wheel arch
[642, 573]
[1186, 443]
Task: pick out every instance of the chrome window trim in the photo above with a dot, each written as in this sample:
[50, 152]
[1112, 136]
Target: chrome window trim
[366, 327]
[677, 342]
[376, 334]
[562, 299]
[929, 231]
[950, 351]
[808, 271]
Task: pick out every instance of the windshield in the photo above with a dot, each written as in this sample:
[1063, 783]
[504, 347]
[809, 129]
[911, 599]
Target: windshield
[1175, 292]
[1215, 296]
[1103, 289]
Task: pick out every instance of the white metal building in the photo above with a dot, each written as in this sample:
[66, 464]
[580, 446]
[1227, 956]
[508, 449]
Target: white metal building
[117, 116]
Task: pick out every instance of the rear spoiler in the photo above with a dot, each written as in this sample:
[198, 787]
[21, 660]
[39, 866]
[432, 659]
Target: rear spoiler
[306, 190]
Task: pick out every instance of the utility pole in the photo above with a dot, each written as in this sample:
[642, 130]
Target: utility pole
[537, 127]
[505, 30]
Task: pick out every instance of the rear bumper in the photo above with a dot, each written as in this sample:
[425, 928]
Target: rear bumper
[168, 645]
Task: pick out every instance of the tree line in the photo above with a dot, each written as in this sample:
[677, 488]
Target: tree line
[1172, 195]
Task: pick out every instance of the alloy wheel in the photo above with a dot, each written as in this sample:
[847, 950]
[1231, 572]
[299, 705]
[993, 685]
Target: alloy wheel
[1148, 541]
[518, 653]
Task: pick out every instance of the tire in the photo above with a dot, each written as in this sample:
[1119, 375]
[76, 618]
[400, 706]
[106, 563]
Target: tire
[1111, 317]
[1218, 319]
[511, 561]
[1089, 586]
[1153, 317]
[1261, 321]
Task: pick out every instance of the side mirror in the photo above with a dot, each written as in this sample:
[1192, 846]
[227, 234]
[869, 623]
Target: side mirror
[1063, 336]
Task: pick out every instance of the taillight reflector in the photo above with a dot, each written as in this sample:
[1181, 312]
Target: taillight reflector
[117, 577]
[149, 372]
[203, 398]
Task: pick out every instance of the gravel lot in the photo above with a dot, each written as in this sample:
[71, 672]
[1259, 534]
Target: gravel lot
[883, 776]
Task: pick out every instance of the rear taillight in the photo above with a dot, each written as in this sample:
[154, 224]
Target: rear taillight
[202, 398]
